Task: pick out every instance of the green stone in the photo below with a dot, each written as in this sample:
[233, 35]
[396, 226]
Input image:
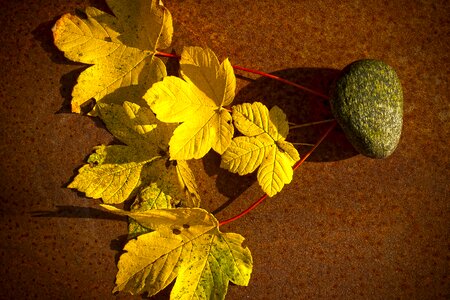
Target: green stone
[367, 101]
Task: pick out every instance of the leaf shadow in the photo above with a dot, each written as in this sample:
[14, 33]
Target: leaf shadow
[300, 107]
[77, 212]
[228, 184]
[80, 212]
[44, 36]
[117, 245]
[67, 83]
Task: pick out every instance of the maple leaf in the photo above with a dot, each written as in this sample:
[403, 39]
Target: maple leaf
[121, 49]
[198, 100]
[112, 173]
[185, 244]
[115, 173]
[263, 146]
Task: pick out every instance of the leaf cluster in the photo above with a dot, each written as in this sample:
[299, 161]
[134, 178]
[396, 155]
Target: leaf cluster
[162, 122]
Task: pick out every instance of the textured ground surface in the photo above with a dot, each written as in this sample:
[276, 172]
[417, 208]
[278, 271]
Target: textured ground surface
[347, 227]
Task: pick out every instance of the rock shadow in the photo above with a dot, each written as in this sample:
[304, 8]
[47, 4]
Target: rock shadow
[300, 107]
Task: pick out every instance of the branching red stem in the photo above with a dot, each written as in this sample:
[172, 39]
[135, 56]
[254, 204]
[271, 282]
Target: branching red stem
[298, 164]
[303, 88]
[307, 154]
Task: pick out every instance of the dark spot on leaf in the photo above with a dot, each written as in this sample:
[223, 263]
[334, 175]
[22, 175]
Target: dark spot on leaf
[186, 226]
[229, 122]
[174, 163]
[176, 231]
[108, 39]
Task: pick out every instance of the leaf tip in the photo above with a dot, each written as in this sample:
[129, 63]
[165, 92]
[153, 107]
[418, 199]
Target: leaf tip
[58, 26]
[76, 108]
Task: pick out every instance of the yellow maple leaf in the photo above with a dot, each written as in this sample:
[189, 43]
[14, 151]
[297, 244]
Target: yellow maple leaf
[184, 244]
[117, 172]
[112, 173]
[120, 48]
[138, 127]
[263, 146]
[197, 101]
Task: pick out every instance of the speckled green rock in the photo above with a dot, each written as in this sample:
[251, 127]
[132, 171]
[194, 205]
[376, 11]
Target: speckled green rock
[367, 102]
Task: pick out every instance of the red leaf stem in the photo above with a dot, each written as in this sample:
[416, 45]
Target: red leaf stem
[165, 54]
[304, 88]
[307, 154]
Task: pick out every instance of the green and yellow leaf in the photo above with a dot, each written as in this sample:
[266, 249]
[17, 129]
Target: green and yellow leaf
[175, 178]
[116, 173]
[262, 147]
[198, 102]
[120, 49]
[185, 244]
[148, 198]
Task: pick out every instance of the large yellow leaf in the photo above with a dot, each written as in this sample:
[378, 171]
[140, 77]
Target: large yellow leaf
[198, 102]
[141, 162]
[186, 244]
[263, 146]
[121, 49]
[138, 127]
